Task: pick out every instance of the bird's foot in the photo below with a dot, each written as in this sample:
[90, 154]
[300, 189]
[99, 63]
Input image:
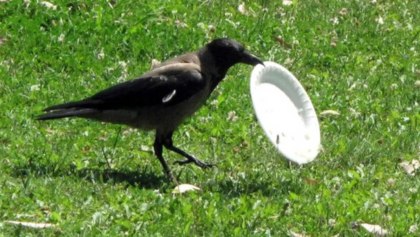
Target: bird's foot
[196, 161]
[171, 177]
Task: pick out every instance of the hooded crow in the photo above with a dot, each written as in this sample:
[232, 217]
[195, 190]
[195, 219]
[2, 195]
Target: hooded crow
[163, 97]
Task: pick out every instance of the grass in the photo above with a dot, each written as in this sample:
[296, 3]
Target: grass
[360, 58]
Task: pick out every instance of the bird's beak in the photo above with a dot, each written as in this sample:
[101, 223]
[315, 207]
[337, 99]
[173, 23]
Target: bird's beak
[250, 59]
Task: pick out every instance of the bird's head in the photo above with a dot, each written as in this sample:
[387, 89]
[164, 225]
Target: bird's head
[228, 52]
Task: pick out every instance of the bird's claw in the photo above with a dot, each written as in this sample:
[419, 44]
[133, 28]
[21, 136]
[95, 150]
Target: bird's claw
[197, 162]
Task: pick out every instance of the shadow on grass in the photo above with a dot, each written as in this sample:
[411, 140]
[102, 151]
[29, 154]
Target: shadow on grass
[267, 188]
[134, 178]
[141, 179]
[255, 183]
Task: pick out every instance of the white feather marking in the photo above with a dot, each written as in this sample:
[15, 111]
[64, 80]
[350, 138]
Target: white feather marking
[168, 97]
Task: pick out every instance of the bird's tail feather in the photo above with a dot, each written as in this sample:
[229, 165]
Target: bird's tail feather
[64, 113]
[73, 105]
[71, 109]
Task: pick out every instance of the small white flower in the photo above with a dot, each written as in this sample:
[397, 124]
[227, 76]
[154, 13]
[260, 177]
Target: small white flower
[214, 103]
[332, 222]
[124, 70]
[145, 148]
[413, 229]
[241, 9]
[333, 43]
[402, 127]
[48, 5]
[380, 20]
[289, 61]
[391, 181]
[211, 28]
[201, 25]
[394, 86]
[232, 117]
[35, 87]
[354, 112]
[228, 14]
[409, 26]
[352, 86]
[287, 2]
[180, 24]
[61, 37]
[101, 54]
[410, 167]
[288, 211]
[376, 206]
[155, 63]
[123, 64]
[335, 21]
[343, 11]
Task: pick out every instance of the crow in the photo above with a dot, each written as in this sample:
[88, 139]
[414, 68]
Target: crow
[162, 98]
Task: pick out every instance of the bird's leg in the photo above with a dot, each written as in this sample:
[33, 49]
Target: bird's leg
[170, 146]
[158, 152]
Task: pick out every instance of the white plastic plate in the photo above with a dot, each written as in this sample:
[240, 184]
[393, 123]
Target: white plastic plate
[285, 112]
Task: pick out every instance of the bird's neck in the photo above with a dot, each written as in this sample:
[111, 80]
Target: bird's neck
[212, 66]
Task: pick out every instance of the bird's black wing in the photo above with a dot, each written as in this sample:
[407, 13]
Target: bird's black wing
[151, 91]
[165, 87]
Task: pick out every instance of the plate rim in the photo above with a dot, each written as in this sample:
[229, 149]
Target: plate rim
[302, 95]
